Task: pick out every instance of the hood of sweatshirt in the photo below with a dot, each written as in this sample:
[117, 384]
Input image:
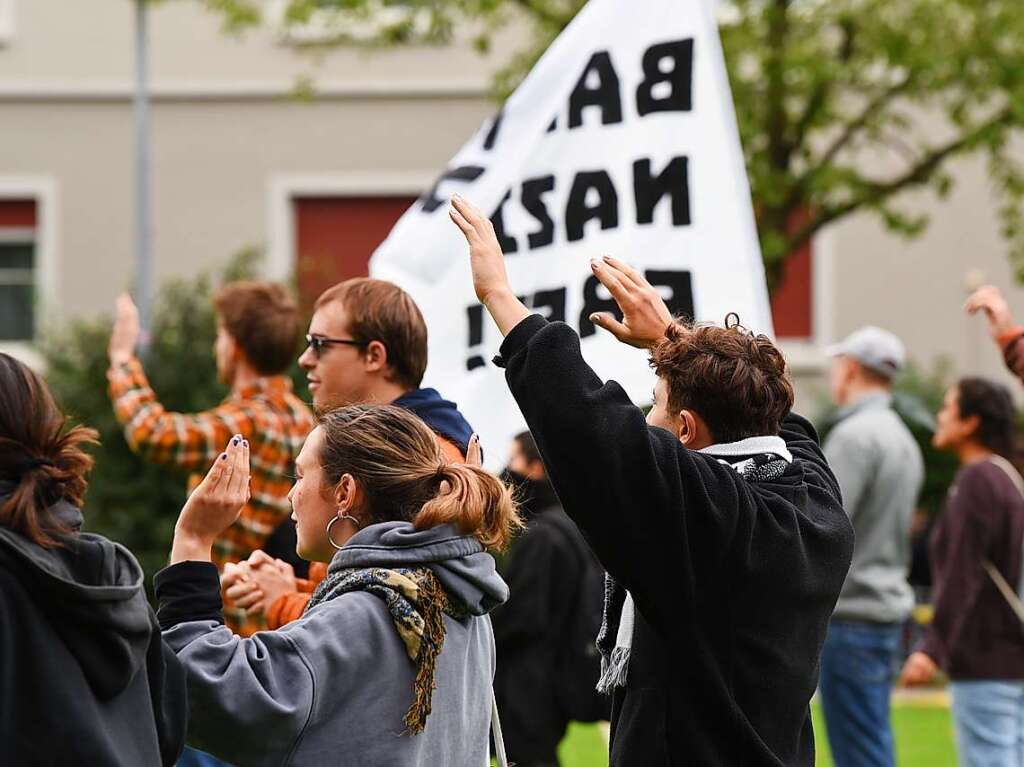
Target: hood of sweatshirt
[439, 414]
[465, 570]
[92, 592]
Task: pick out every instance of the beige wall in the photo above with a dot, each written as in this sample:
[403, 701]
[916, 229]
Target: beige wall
[224, 130]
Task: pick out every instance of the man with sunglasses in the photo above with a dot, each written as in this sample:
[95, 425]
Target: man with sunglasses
[367, 344]
[258, 326]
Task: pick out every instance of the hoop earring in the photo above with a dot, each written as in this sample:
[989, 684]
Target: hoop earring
[335, 519]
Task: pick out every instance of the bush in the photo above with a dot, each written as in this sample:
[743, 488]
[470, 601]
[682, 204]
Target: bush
[129, 500]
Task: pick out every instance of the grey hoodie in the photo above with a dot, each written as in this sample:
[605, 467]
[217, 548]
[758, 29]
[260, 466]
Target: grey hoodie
[332, 688]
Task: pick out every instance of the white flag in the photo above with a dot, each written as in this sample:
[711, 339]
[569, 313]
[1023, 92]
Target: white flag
[621, 141]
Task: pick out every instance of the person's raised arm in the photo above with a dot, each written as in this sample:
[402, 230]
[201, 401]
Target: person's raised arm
[1008, 335]
[640, 498]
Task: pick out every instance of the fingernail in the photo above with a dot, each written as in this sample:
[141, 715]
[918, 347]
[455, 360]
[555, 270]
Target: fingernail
[593, 318]
[223, 456]
[594, 263]
[606, 258]
[234, 441]
[245, 442]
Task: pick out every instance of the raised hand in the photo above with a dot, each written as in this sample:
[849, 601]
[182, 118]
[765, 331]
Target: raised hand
[989, 300]
[214, 505]
[125, 335]
[644, 314]
[490, 280]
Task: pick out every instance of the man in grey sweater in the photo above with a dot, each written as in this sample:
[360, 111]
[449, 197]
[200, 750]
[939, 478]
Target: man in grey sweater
[880, 471]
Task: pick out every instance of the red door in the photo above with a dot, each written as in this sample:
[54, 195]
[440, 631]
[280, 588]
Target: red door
[335, 237]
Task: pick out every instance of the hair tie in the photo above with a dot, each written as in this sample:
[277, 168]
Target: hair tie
[36, 463]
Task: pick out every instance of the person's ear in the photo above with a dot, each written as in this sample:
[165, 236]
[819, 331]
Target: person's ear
[686, 426]
[345, 494]
[375, 357]
[971, 425]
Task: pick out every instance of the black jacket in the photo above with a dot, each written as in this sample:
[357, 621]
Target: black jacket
[554, 584]
[84, 675]
[734, 582]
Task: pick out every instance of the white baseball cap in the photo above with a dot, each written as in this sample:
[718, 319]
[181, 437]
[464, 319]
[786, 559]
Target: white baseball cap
[874, 348]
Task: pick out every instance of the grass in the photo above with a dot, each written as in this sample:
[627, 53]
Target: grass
[924, 738]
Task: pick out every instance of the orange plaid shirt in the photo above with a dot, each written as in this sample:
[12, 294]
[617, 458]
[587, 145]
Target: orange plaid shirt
[266, 413]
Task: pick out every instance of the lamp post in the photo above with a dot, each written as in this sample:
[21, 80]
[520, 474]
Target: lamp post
[143, 233]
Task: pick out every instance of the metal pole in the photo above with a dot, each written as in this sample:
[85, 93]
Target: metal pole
[143, 267]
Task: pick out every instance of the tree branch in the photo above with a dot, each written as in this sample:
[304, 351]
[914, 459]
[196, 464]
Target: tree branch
[779, 149]
[851, 128]
[919, 174]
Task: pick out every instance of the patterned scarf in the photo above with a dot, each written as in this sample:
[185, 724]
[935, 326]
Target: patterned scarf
[417, 603]
[615, 640]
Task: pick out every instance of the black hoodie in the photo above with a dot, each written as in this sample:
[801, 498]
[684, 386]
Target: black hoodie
[84, 675]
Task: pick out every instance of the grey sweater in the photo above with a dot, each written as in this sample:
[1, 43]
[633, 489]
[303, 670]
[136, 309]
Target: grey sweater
[332, 687]
[880, 472]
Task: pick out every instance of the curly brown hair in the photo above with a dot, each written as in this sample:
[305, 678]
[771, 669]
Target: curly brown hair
[735, 380]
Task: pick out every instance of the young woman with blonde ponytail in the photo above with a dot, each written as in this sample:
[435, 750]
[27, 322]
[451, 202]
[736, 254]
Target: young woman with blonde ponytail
[392, 662]
[85, 676]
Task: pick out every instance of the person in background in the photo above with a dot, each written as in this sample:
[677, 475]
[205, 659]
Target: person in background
[367, 343]
[392, 662]
[257, 332]
[85, 676]
[545, 634]
[880, 471]
[716, 517]
[976, 635]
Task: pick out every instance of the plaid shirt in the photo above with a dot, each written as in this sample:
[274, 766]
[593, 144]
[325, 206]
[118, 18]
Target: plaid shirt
[265, 412]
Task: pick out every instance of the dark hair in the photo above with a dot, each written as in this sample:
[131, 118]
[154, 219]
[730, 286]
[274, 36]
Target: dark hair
[263, 320]
[401, 470]
[378, 310]
[528, 446]
[39, 454]
[735, 380]
[993, 405]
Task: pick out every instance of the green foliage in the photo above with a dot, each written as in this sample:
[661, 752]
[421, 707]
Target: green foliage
[843, 105]
[130, 501]
[917, 397]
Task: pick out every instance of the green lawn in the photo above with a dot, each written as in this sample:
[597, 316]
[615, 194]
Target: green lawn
[924, 738]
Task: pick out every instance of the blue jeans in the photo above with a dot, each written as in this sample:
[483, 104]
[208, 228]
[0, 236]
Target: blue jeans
[857, 669]
[989, 720]
[193, 757]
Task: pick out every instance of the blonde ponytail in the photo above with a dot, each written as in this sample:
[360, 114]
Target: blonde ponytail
[476, 502]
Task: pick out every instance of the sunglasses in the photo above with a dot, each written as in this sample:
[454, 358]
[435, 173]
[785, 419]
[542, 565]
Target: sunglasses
[317, 343]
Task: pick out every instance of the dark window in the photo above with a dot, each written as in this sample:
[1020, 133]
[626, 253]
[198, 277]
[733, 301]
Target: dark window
[17, 291]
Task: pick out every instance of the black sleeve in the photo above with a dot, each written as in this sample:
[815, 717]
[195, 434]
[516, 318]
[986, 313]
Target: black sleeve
[188, 591]
[802, 440]
[657, 515]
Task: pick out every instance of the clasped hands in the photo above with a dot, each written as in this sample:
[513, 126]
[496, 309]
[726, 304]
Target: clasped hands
[645, 316]
[256, 583]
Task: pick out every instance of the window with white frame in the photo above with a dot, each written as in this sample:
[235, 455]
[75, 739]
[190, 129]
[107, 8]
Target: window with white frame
[18, 270]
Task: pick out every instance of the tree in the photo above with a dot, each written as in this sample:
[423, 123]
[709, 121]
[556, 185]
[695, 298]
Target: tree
[843, 105]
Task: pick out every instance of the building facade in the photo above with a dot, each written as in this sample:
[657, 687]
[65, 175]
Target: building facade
[239, 159]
